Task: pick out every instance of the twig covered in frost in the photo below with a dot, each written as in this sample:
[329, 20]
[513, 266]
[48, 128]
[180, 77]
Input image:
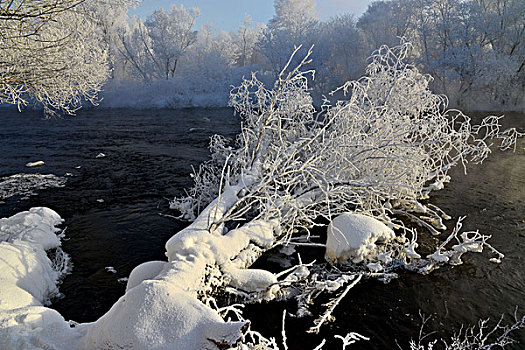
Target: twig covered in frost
[479, 337]
[471, 241]
[351, 338]
[332, 304]
[320, 346]
[283, 332]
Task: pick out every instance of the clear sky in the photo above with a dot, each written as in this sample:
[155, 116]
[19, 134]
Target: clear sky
[229, 14]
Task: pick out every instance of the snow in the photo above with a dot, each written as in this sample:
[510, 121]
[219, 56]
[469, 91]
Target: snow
[34, 164]
[250, 280]
[410, 251]
[35, 227]
[354, 237]
[145, 271]
[100, 155]
[159, 315]
[439, 257]
[160, 309]
[28, 280]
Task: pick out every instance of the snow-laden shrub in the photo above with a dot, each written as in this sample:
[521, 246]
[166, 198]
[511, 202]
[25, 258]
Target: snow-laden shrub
[377, 153]
[389, 144]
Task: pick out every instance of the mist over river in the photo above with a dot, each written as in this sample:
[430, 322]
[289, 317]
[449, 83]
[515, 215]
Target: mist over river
[111, 206]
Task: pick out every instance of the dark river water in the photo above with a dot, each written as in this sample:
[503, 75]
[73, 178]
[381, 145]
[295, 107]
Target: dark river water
[111, 207]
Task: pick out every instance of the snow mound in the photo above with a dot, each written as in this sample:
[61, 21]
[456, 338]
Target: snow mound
[144, 271]
[175, 320]
[35, 227]
[161, 309]
[354, 236]
[28, 280]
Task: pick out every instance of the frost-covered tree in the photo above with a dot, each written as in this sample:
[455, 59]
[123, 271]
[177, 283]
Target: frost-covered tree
[134, 51]
[111, 18]
[153, 49]
[340, 52]
[245, 40]
[474, 48]
[297, 17]
[51, 53]
[293, 24]
[385, 22]
[171, 34]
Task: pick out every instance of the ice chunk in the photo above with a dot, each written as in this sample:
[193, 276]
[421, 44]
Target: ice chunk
[100, 155]
[34, 164]
[353, 236]
[25, 185]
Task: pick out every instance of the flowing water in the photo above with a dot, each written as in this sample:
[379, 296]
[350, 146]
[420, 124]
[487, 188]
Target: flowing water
[113, 208]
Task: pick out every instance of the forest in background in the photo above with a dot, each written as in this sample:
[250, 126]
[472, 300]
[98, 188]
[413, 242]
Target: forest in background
[474, 49]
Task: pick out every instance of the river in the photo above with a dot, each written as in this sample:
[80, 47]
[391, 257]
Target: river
[111, 207]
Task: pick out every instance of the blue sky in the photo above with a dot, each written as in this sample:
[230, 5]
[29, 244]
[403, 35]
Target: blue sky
[229, 14]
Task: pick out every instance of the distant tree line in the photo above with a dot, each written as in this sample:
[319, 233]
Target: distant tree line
[474, 49]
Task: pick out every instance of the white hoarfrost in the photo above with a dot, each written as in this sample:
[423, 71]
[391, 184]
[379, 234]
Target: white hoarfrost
[354, 237]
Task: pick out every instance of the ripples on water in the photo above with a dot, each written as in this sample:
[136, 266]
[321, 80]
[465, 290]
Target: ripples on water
[149, 157]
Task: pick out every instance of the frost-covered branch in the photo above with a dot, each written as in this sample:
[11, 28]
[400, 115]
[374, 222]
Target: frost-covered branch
[51, 53]
[480, 337]
[332, 304]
